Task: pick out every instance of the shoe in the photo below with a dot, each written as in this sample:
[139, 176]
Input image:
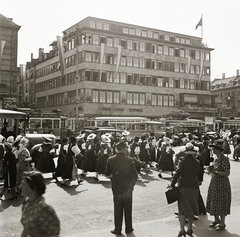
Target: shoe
[213, 224]
[55, 177]
[159, 175]
[220, 227]
[190, 232]
[130, 231]
[64, 184]
[83, 175]
[1, 196]
[115, 232]
[13, 198]
[80, 181]
[195, 218]
[182, 233]
[96, 179]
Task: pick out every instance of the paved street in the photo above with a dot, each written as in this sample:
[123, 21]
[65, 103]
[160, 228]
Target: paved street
[87, 210]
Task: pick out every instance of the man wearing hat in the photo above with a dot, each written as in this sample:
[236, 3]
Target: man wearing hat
[124, 177]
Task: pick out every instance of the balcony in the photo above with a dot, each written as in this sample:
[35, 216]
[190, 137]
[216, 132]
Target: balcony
[198, 108]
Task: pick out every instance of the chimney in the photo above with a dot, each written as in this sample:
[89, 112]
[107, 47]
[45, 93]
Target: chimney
[223, 76]
[31, 57]
[237, 72]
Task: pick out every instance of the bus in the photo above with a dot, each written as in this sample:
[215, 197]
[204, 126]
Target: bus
[185, 126]
[44, 122]
[227, 123]
[122, 123]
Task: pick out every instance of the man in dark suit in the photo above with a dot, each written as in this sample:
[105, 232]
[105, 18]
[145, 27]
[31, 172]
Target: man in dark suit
[124, 177]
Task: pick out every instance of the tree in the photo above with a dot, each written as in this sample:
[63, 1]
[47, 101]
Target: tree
[176, 114]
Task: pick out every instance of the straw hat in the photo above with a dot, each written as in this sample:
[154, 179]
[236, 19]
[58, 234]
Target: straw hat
[10, 139]
[91, 136]
[167, 140]
[81, 136]
[47, 140]
[125, 133]
[189, 148]
[105, 139]
[17, 139]
[108, 135]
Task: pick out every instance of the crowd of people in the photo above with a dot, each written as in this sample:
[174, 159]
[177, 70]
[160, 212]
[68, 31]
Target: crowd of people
[128, 158]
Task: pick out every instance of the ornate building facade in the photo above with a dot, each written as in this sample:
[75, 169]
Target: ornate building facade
[9, 72]
[107, 68]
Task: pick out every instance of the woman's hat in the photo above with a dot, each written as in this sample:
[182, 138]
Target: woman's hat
[108, 134]
[47, 140]
[91, 136]
[167, 140]
[189, 148]
[81, 136]
[2, 138]
[18, 138]
[218, 144]
[125, 133]
[23, 141]
[105, 139]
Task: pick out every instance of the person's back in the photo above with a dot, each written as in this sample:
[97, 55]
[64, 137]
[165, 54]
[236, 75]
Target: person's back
[124, 173]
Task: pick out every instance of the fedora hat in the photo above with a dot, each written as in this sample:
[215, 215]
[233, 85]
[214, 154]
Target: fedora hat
[121, 145]
[218, 144]
[47, 140]
[105, 139]
[91, 136]
[189, 148]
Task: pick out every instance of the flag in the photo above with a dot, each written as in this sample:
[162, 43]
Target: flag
[201, 70]
[120, 49]
[199, 23]
[23, 71]
[2, 44]
[189, 66]
[103, 48]
[61, 53]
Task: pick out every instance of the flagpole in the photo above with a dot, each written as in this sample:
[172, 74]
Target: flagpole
[202, 28]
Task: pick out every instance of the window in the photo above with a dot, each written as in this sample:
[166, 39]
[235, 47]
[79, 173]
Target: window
[132, 31]
[109, 97]
[129, 98]
[182, 83]
[171, 100]
[154, 99]
[116, 96]
[125, 30]
[160, 49]
[88, 56]
[95, 40]
[187, 53]
[136, 79]
[116, 42]
[197, 55]
[141, 63]
[154, 48]
[123, 61]
[109, 76]
[207, 56]
[138, 32]
[187, 41]
[135, 98]
[142, 99]
[182, 53]
[92, 24]
[109, 59]
[116, 79]
[142, 80]
[183, 41]
[123, 78]
[95, 57]
[160, 65]
[95, 75]
[129, 44]
[99, 25]
[176, 67]
[95, 96]
[165, 50]
[192, 84]
[103, 39]
[136, 45]
[177, 39]
[177, 52]
[182, 67]
[171, 51]
[155, 35]
[167, 37]
[142, 47]
[166, 82]
[110, 42]
[160, 100]
[144, 33]
[135, 62]
[165, 100]
[129, 61]
[149, 47]
[171, 82]
[160, 82]
[148, 63]
[129, 79]
[102, 97]
[150, 34]
[124, 43]
[105, 26]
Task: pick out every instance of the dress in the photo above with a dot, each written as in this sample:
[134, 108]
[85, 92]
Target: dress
[219, 191]
[144, 152]
[166, 160]
[60, 162]
[90, 161]
[10, 170]
[46, 163]
[68, 164]
[103, 155]
[23, 163]
[39, 219]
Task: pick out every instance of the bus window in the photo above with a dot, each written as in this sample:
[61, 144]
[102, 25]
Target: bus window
[47, 123]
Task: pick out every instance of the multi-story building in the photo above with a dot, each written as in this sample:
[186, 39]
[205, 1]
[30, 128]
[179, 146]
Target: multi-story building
[108, 68]
[9, 72]
[227, 93]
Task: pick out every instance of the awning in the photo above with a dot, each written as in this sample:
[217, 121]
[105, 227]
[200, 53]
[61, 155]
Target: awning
[11, 114]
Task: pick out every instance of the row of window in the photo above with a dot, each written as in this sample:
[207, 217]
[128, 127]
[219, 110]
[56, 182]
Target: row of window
[108, 97]
[123, 78]
[136, 62]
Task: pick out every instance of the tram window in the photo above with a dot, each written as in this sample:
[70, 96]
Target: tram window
[47, 123]
[34, 123]
[56, 123]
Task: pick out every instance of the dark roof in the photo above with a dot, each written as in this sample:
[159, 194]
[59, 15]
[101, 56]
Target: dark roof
[7, 22]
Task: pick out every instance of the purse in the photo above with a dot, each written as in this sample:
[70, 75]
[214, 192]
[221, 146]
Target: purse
[172, 194]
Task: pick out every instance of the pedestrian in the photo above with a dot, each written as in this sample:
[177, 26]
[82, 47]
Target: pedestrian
[226, 145]
[236, 151]
[187, 177]
[124, 177]
[47, 154]
[70, 170]
[10, 171]
[38, 218]
[24, 159]
[219, 191]
[144, 154]
[2, 151]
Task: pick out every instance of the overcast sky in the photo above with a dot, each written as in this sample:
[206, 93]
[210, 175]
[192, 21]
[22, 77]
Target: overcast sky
[42, 20]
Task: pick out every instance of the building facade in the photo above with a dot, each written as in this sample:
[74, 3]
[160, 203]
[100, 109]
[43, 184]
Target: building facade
[9, 72]
[106, 68]
[227, 93]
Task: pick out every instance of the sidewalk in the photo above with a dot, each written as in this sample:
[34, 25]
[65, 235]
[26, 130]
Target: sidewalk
[169, 227]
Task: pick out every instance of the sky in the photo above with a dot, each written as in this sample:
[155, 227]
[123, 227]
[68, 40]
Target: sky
[41, 21]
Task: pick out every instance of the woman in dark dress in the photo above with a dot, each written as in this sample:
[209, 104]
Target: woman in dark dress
[10, 171]
[187, 177]
[219, 191]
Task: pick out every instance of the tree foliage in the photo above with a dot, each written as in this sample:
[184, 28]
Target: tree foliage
[176, 114]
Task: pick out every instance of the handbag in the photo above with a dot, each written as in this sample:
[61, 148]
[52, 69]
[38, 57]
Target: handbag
[172, 194]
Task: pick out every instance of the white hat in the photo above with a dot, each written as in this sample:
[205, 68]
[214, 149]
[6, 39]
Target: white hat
[108, 135]
[189, 148]
[81, 136]
[167, 140]
[91, 136]
[10, 139]
[125, 133]
[23, 141]
[105, 139]
[2, 138]
[47, 140]
[17, 139]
